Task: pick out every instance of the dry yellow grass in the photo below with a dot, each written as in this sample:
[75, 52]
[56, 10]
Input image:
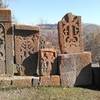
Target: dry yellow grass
[49, 93]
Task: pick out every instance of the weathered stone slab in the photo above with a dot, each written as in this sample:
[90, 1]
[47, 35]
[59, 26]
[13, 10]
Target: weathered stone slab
[6, 40]
[44, 81]
[75, 69]
[22, 81]
[26, 48]
[19, 81]
[47, 61]
[5, 81]
[55, 80]
[69, 34]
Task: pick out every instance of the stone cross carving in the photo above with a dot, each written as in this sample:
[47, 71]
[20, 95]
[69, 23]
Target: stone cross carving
[26, 48]
[69, 31]
[47, 60]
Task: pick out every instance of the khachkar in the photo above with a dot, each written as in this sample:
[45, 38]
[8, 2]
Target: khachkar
[47, 61]
[69, 31]
[48, 69]
[6, 38]
[26, 49]
[74, 63]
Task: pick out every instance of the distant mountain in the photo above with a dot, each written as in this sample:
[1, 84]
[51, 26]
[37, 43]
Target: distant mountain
[91, 28]
[88, 28]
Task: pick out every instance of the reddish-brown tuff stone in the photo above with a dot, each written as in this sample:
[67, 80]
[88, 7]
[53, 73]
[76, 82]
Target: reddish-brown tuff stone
[44, 81]
[69, 34]
[22, 81]
[55, 80]
[26, 48]
[6, 40]
[47, 61]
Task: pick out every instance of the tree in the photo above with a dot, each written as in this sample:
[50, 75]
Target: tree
[1, 3]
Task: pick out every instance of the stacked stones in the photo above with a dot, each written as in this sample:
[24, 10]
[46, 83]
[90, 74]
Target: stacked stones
[74, 63]
[48, 67]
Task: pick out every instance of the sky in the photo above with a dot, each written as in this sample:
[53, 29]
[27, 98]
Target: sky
[51, 11]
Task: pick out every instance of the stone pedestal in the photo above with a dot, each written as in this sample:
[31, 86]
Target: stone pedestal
[75, 69]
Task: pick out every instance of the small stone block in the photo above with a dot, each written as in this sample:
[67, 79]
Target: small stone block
[5, 81]
[55, 80]
[44, 81]
[22, 81]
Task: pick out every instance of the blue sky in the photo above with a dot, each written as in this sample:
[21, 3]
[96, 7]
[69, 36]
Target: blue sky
[51, 11]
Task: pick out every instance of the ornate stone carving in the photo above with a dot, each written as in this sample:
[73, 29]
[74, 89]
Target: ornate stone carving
[42, 42]
[26, 48]
[2, 42]
[69, 30]
[47, 61]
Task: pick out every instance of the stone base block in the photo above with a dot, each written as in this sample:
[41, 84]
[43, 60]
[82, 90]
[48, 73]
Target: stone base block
[75, 69]
[22, 81]
[44, 81]
[83, 69]
[19, 81]
[55, 80]
[5, 82]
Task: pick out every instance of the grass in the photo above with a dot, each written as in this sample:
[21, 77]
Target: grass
[49, 93]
